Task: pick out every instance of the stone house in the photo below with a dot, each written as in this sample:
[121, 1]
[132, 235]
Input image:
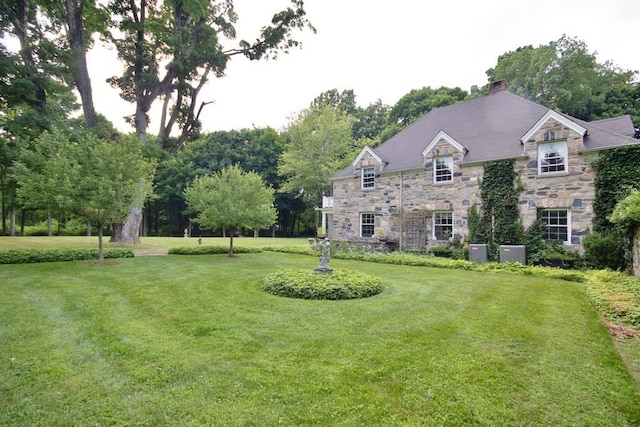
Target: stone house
[415, 189]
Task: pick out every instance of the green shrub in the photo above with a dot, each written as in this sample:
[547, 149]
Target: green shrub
[307, 284]
[604, 250]
[26, 256]
[76, 227]
[41, 229]
[616, 296]
[460, 253]
[294, 250]
[211, 250]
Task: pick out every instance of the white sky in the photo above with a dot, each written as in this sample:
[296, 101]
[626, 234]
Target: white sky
[383, 49]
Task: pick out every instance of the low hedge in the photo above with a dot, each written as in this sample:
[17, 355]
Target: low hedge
[211, 250]
[401, 258]
[307, 284]
[26, 256]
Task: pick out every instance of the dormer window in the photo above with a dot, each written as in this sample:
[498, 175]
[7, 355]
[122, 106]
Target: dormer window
[552, 158]
[368, 178]
[443, 169]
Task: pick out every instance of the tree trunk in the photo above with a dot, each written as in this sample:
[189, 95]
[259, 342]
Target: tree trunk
[129, 232]
[49, 225]
[23, 220]
[636, 251]
[88, 229]
[231, 233]
[4, 217]
[78, 67]
[100, 245]
[12, 223]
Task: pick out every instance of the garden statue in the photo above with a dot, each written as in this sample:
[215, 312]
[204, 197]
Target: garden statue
[325, 248]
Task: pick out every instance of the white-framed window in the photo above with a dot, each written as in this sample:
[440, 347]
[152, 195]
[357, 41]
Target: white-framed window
[367, 224]
[443, 169]
[442, 225]
[558, 222]
[368, 178]
[552, 157]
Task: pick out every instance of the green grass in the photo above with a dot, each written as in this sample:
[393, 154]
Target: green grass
[192, 340]
[147, 243]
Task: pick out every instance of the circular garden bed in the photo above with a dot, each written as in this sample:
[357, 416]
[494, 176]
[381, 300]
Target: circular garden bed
[307, 284]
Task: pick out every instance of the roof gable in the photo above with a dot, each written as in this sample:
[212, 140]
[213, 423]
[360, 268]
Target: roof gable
[552, 115]
[372, 153]
[440, 136]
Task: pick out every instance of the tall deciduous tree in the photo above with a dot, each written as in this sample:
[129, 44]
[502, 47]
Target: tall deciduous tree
[171, 48]
[566, 76]
[231, 199]
[33, 96]
[419, 102]
[74, 22]
[319, 142]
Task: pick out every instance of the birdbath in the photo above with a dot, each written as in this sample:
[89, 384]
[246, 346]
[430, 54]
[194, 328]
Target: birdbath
[325, 248]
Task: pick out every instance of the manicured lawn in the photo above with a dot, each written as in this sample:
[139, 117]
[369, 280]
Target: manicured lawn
[193, 340]
[147, 243]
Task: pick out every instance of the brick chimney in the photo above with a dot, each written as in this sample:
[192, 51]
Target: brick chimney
[497, 86]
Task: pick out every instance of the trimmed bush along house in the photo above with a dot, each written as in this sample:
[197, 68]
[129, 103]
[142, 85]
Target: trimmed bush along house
[418, 185]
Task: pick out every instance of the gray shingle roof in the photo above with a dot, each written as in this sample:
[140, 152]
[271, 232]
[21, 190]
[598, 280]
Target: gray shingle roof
[489, 128]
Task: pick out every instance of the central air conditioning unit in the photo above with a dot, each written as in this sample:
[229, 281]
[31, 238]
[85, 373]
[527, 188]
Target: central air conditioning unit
[478, 253]
[513, 253]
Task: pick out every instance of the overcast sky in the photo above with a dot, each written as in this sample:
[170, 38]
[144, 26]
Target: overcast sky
[383, 49]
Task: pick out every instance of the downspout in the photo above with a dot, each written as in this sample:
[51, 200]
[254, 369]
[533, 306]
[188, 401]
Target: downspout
[401, 212]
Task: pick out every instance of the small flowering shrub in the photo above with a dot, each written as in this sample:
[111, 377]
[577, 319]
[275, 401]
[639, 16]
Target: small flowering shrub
[307, 284]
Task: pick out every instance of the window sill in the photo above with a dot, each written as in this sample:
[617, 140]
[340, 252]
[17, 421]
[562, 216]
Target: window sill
[552, 174]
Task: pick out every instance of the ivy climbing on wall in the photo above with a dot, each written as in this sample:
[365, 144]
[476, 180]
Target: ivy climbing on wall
[617, 171]
[498, 222]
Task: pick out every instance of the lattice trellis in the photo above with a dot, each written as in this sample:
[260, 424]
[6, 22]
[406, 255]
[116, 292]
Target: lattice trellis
[415, 231]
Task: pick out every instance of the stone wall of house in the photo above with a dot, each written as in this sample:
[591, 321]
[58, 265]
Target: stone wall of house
[397, 194]
[573, 190]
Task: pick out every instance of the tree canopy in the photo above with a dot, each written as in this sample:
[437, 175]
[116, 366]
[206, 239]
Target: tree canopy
[566, 76]
[319, 142]
[231, 199]
[97, 180]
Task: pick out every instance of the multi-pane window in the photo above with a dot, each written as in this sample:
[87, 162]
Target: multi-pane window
[443, 169]
[367, 224]
[552, 157]
[442, 225]
[557, 222]
[368, 177]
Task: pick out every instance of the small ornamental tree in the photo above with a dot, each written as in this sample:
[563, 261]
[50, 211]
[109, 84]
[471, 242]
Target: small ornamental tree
[627, 214]
[231, 199]
[95, 179]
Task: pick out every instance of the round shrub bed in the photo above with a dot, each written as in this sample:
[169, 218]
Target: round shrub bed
[307, 284]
